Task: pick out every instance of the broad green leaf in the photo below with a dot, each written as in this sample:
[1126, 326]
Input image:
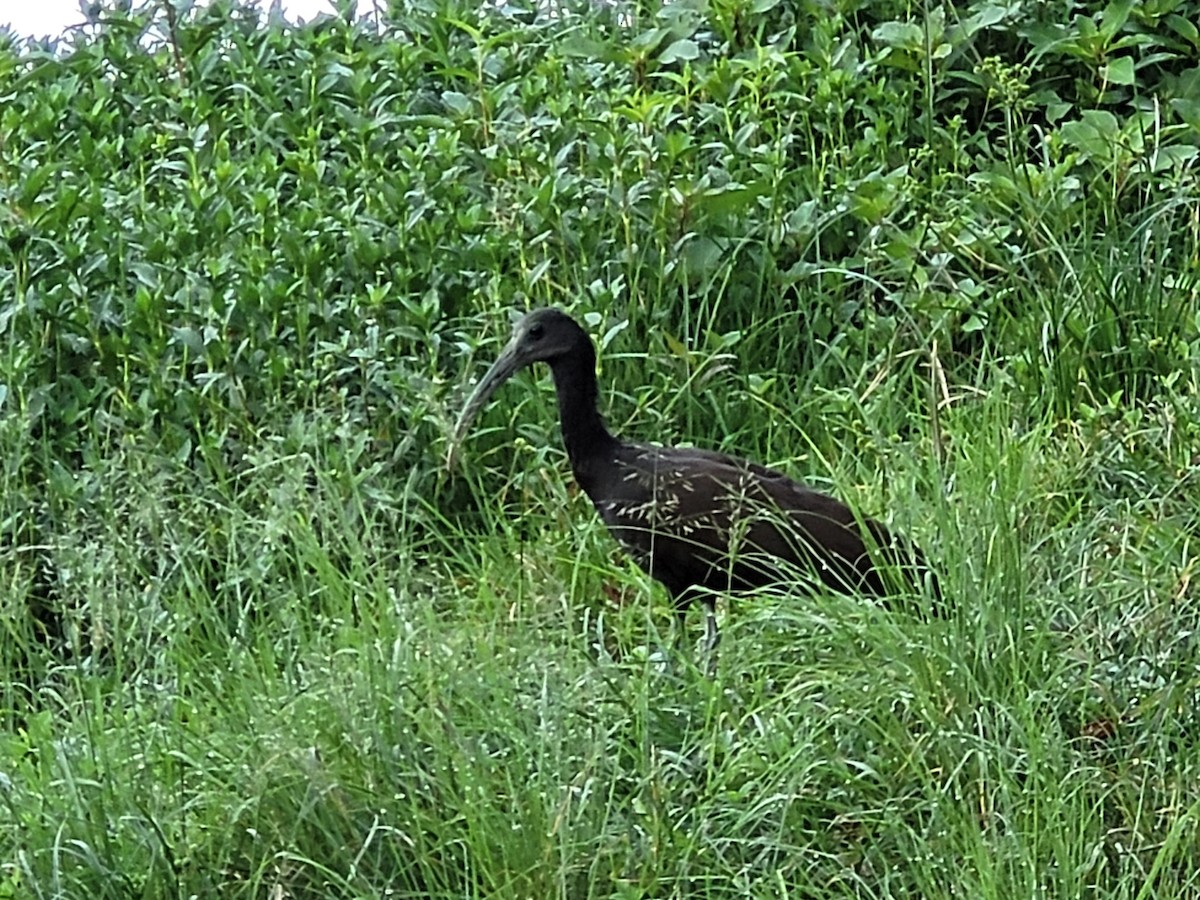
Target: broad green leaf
[1176, 156]
[457, 102]
[1114, 17]
[1187, 109]
[1095, 133]
[1120, 71]
[985, 17]
[1185, 28]
[581, 45]
[685, 48]
[730, 199]
[905, 35]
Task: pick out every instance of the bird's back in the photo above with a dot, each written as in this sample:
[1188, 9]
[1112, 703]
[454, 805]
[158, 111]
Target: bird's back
[699, 519]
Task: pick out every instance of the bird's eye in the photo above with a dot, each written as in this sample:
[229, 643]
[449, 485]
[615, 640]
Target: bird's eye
[536, 332]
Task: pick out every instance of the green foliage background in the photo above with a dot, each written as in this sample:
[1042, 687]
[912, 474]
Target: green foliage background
[943, 259]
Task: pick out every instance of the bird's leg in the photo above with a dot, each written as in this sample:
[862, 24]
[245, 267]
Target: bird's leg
[712, 636]
[681, 625]
[712, 639]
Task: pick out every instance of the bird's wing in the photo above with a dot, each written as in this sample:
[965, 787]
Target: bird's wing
[678, 456]
[697, 512]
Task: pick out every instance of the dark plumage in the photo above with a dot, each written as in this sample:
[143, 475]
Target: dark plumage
[695, 520]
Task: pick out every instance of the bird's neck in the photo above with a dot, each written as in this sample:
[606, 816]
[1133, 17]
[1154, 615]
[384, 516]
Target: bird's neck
[589, 444]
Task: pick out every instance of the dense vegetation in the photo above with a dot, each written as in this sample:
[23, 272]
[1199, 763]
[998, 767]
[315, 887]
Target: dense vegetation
[257, 642]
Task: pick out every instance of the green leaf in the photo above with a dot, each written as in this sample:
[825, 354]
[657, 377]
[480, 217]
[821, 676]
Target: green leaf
[685, 48]
[1095, 133]
[145, 273]
[1173, 157]
[31, 189]
[1120, 71]
[1104, 123]
[676, 346]
[976, 321]
[1188, 110]
[649, 39]
[188, 337]
[731, 199]
[906, 35]
[1185, 29]
[986, 17]
[702, 256]
[1114, 17]
[457, 102]
[1056, 109]
[584, 47]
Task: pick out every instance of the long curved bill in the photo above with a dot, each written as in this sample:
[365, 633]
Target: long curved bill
[505, 366]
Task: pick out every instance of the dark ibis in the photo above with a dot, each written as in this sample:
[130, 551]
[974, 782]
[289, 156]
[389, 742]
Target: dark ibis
[698, 521]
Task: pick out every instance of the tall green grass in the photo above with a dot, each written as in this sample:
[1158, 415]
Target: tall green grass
[346, 703]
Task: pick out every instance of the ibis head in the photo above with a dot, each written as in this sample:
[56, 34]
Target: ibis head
[544, 335]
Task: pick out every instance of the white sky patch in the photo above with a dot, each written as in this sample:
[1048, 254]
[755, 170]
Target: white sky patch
[42, 18]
